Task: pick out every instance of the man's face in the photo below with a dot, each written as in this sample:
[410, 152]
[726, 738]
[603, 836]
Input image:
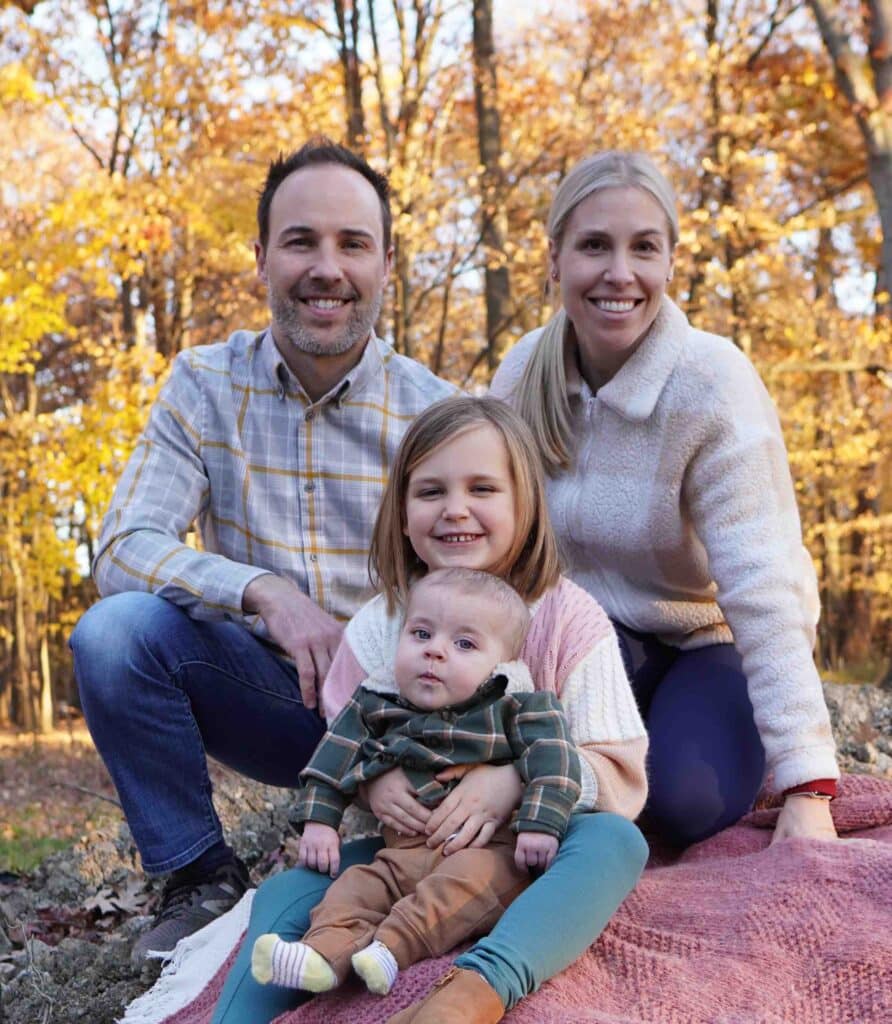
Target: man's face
[324, 262]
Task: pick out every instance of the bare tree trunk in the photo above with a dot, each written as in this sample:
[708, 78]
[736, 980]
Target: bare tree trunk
[45, 718]
[22, 668]
[402, 334]
[864, 74]
[493, 215]
[347, 15]
[154, 285]
[5, 684]
[128, 326]
[879, 174]
[866, 82]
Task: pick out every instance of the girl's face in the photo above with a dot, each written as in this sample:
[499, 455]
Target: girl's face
[460, 502]
[613, 263]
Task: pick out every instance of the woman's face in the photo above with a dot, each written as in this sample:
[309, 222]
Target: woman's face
[613, 263]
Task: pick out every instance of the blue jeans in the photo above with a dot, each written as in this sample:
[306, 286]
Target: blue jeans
[160, 691]
[706, 760]
[543, 931]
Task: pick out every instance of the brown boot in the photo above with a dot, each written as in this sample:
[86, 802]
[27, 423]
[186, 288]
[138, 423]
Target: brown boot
[459, 997]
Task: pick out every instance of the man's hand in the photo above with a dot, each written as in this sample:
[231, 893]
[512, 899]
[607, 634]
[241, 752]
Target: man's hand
[479, 804]
[320, 848]
[535, 850]
[301, 628]
[804, 817]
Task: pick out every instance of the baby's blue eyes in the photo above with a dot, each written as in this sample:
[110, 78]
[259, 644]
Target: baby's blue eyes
[423, 635]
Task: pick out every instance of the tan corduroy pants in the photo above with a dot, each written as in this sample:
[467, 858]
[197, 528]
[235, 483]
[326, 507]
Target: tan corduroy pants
[416, 901]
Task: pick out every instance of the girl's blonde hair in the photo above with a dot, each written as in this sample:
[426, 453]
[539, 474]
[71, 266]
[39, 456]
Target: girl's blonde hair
[531, 565]
[541, 394]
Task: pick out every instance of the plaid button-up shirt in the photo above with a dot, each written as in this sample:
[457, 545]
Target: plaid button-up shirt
[379, 731]
[275, 482]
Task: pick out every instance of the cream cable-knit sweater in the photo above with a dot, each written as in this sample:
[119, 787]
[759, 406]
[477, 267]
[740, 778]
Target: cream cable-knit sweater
[679, 517]
[571, 649]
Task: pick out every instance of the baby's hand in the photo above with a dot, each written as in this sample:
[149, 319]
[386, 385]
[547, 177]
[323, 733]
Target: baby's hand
[320, 848]
[535, 850]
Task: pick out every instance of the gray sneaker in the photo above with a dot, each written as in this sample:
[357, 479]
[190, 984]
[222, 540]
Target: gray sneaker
[188, 906]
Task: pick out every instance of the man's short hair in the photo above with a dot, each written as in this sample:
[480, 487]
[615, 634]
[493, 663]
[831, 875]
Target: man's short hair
[316, 152]
[514, 616]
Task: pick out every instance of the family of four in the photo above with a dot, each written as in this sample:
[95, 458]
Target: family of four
[591, 603]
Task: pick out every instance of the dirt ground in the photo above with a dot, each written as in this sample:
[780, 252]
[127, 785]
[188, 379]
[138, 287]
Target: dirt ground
[52, 791]
[72, 895]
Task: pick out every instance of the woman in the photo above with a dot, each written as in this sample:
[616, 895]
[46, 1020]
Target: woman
[671, 495]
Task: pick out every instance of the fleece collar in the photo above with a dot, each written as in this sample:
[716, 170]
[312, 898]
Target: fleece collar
[634, 391]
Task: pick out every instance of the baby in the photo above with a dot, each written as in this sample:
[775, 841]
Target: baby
[457, 697]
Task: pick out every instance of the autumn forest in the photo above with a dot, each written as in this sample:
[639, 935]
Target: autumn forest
[137, 133]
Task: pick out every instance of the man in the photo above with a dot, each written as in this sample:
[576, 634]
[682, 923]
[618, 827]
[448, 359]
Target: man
[278, 444]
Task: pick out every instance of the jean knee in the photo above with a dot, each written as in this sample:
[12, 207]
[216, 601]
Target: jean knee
[107, 638]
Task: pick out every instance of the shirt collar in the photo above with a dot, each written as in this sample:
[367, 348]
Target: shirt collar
[634, 390]
[354, 381]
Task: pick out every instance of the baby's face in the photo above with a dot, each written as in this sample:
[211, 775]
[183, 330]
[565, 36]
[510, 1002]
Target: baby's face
[450, 643]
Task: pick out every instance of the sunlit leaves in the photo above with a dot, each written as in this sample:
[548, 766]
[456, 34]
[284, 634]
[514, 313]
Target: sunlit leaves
[136, 137]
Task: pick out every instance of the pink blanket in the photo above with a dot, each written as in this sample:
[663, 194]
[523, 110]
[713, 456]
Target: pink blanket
[731, 931]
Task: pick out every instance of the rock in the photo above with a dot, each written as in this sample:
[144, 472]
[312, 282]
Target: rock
[81, 981]
[861, 717]
[39, 953]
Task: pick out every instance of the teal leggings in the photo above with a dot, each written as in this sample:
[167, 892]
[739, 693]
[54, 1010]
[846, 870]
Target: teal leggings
[543, 931]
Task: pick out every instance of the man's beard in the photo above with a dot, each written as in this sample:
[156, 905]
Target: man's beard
[290, 329]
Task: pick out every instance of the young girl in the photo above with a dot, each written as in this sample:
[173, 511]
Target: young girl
[466, 489]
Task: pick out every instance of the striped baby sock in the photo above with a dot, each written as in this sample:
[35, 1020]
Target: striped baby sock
[290, 964]
[377, 968]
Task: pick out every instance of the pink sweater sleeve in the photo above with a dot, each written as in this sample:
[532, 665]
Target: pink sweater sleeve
[343, 677]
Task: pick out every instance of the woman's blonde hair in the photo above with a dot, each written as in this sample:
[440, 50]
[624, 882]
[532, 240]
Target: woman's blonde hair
[541, 394]
[531, 565]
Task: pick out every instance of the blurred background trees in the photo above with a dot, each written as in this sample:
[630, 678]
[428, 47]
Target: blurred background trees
[138, 133]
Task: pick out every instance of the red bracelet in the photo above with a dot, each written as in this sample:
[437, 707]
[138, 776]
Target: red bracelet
[819, 787]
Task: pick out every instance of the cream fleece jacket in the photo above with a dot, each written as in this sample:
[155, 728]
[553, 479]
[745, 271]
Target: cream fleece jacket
[679, 517]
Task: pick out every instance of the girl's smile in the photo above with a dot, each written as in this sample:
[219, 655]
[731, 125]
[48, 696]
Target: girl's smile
[460, 502]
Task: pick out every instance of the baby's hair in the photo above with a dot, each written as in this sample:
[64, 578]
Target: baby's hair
[514, 616]
[531, 565]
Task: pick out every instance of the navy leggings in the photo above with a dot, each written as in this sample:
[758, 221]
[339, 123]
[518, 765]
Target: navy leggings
[706, 760]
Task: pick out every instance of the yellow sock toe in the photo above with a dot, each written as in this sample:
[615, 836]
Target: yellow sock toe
[316, 974]
[262, 959]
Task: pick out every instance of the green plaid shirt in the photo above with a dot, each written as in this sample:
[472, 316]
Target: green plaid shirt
[379, 731]
[276, 483]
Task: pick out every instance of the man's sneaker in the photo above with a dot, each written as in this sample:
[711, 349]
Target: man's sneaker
[188, 906]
